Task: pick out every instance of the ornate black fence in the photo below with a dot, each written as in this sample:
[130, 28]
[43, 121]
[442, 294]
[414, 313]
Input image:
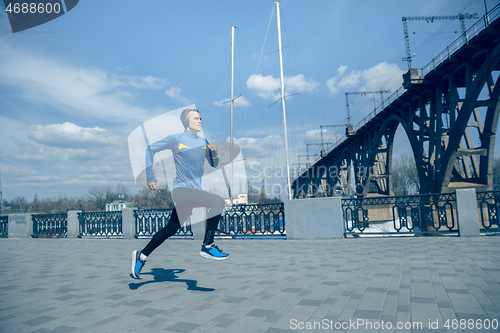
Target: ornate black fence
[4, 226]
[253, 220]
[429, 214]
[100, 224]
[149, 221]
[487, 204]
[50, 225]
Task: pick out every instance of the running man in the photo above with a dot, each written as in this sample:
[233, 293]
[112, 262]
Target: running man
[189, 151]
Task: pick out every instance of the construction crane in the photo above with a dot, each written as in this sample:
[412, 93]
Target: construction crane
[364, 93]
[460, 17]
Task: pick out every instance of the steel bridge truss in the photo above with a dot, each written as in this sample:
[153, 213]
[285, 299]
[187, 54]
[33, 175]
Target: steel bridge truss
[450, 117]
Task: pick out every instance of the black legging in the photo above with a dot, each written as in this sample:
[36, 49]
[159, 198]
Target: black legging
[185, 199]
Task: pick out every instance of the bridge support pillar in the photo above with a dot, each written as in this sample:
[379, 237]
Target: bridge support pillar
[467, 213]
[316, 218]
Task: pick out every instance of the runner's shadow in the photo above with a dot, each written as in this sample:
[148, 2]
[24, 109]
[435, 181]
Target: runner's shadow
[165, 275]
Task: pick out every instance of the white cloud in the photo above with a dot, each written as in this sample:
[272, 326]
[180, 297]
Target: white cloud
[314, 136]
[71, 90]
[238, 102]
[148, 82]
[332, 85]
[298, 83]
[269, 87]
[332, 82]
[254, 147]
[49, 157]
[381, 76]
[264, 86]
[351, 80]
[175, 93]
[69, 135]
[341, 70]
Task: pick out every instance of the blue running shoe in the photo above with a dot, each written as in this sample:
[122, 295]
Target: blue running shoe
[137, 264]
[213, 252]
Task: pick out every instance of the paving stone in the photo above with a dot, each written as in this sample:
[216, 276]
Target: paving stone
[182, 327]
[39, 320]
[391, 279]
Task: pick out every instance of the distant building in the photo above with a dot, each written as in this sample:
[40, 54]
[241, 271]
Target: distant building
[118, 205]
[241, 199]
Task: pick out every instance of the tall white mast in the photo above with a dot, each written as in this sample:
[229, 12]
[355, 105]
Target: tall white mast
[232, 108]
[283, 103]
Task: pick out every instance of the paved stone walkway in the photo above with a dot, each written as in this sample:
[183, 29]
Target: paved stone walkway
[272, 286]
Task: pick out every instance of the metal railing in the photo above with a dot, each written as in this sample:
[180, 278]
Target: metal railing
[487, 205]
[100, 224]
[267, 220]
[460, 41]
[149, 221]
[398, 93]
[431, 214]
[50, 225]
[4, 226]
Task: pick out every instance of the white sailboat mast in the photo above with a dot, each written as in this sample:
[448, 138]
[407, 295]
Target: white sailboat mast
[232, 110]
[283, 102]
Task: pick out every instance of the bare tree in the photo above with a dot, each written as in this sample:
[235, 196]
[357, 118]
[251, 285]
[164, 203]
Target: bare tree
[405, 176]
[496, 174]
[98, 197]
[147, 199]
[253, 194]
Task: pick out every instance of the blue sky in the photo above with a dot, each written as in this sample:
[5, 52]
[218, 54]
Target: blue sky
[73, 89]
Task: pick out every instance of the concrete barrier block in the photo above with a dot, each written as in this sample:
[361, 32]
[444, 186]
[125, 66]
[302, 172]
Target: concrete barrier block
[73, 223]
[467, 214]
[20, 226]
[128, 222]
[316, 218]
